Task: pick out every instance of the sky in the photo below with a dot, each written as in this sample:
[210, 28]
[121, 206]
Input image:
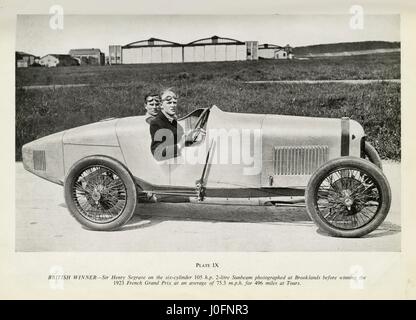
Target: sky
[34, 34]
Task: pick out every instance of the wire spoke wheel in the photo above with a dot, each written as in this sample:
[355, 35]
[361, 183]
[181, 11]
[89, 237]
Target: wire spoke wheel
[348, 197]
[99, 194]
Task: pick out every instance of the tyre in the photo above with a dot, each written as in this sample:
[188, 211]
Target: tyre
[372, 155]
[348, 197]
[100, 193]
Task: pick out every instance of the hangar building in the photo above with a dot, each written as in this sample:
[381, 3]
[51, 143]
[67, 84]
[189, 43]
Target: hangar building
[215, 49]
[203, 50]
[147, 51]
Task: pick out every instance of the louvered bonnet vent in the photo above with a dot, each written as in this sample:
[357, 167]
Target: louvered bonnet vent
[298, 160]
[39, 160]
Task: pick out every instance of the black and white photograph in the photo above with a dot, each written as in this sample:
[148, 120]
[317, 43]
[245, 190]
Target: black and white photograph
[208, 133]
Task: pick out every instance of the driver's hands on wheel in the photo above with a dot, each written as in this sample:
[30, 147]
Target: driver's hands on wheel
[195, 135]
[198, 134]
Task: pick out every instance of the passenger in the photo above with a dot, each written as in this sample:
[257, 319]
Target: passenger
[167, 134]
[152, 106]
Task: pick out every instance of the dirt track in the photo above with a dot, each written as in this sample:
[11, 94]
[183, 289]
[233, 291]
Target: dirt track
[44, 224]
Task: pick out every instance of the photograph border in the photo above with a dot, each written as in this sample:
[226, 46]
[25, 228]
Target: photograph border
[26, 275]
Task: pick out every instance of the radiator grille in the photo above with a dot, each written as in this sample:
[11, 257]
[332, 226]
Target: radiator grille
[303, 160]
[39, 160]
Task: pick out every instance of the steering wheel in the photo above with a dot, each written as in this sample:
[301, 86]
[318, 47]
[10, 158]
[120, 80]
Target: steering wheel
[199, 125]
[202, 119]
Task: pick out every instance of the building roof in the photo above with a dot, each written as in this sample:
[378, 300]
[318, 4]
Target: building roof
[151, 42]
[275, 46]
[57, 55]
[215, 40]
[269, 46]
[154, 42]
[62, 57]
[21, 54]
[86, 52]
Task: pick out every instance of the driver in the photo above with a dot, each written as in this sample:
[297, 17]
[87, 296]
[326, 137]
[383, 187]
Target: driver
[168, 138]
[167, 134]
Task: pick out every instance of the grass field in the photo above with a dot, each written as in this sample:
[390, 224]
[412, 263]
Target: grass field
[117, 91]
[379, 66]
[345, 46]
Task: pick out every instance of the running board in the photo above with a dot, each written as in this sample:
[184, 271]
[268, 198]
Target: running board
[260, 201]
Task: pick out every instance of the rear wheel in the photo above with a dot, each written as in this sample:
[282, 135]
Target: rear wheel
[100, 193]
[348, 197]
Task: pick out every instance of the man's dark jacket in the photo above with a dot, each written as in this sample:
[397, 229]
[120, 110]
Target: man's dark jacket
[161, 147]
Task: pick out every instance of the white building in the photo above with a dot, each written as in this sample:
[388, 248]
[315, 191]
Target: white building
[147, 51]
[215, 49]
[203, 50]
[21, 64]
[55, 60]
[49, 61]
[272, 51]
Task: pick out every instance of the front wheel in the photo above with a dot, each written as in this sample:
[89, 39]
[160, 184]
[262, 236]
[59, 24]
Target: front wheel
[100, 193]
[348, 197]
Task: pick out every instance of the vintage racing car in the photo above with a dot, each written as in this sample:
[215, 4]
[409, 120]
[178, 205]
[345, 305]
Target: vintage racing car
[324, 164]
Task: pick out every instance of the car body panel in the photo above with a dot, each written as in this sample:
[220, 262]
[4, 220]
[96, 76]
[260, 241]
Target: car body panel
[258, 151]
[134, 136]
[226, 167]
[44, 157]
[102, 133]
[75, 152]
[57, 153]
[294, 147]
